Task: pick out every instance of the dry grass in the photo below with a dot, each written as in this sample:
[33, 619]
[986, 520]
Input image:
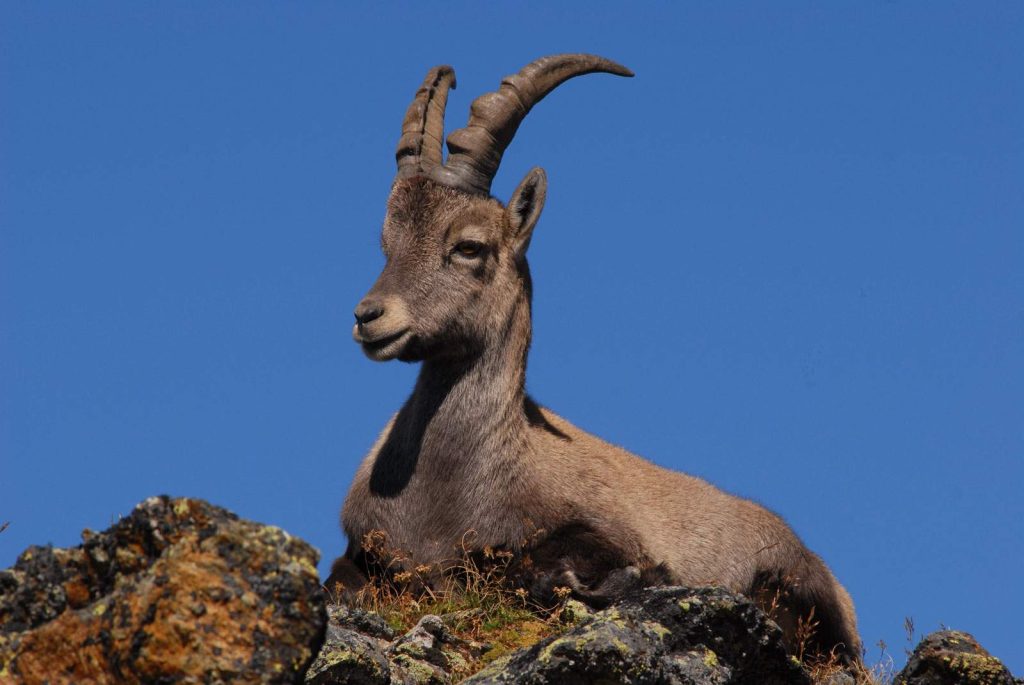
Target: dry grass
[472, 595]
[882, 672]
[823, 669]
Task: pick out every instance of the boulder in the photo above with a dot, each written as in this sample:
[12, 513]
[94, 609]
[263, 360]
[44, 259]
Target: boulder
[949, 657]
[178, 591]
[353, 649]
[665, 635]
[361, 649]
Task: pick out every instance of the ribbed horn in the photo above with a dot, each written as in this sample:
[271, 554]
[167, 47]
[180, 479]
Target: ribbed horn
[419, 148]
[474, 152]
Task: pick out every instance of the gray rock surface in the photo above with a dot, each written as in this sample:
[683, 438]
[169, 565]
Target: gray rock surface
[360, 648]
[950, 657]
[666, 635]
[669, 635]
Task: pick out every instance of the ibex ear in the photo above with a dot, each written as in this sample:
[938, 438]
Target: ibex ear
[524, 208]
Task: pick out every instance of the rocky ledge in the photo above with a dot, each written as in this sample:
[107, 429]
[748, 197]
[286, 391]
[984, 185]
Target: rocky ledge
[666, 635]
[184, 591]
[670, 636]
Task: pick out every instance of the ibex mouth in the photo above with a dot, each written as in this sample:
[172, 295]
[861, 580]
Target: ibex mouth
[387, 347]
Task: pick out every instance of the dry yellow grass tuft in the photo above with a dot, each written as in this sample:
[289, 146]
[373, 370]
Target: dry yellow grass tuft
[473, 594]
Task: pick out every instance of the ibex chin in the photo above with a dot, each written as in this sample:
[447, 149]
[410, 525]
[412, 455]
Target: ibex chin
[470, 450]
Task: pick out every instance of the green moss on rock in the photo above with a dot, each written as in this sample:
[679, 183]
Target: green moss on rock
[951, 657]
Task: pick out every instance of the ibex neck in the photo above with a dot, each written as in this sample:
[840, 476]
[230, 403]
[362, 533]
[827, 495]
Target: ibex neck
[475, 404]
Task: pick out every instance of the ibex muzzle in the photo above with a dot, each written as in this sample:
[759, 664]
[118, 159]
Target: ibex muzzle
[471, 451]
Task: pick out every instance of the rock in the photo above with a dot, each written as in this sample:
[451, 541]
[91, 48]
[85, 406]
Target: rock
[949, 657]
[666, 635]
[574, 612]
[360, 650]
[178, 591]
[366, 622]
[353, 650]
[701, 636]
[429, 642]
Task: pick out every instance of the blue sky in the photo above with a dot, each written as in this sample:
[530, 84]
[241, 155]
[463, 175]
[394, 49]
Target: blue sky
[786, 257]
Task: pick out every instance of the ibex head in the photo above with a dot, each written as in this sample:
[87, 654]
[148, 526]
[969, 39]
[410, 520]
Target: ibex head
[456, 257]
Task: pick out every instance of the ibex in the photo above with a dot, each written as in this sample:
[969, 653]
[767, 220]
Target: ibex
[470, 450]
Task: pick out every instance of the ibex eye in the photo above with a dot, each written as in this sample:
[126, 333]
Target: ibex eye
[469, 248]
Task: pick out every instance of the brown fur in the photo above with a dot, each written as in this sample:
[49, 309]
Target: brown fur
[469, 450]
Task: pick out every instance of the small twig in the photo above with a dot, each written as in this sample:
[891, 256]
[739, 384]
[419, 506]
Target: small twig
[4, 525]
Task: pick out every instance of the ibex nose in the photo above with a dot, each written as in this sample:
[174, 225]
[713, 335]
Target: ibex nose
[367, 311]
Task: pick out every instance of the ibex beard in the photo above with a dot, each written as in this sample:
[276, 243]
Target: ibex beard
[470, 450]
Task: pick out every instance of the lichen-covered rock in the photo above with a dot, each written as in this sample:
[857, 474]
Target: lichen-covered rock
[178, 591]
[353, 649]
[666, 635]
[361, 649]
[949, 657]
[361, 620]
[574, 612]
[429, 646]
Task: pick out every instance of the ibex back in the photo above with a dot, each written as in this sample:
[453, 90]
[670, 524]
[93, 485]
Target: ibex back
[469, 450]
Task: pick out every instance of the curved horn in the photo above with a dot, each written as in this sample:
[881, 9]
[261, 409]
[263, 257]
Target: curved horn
[419, 148]
[474, 152]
